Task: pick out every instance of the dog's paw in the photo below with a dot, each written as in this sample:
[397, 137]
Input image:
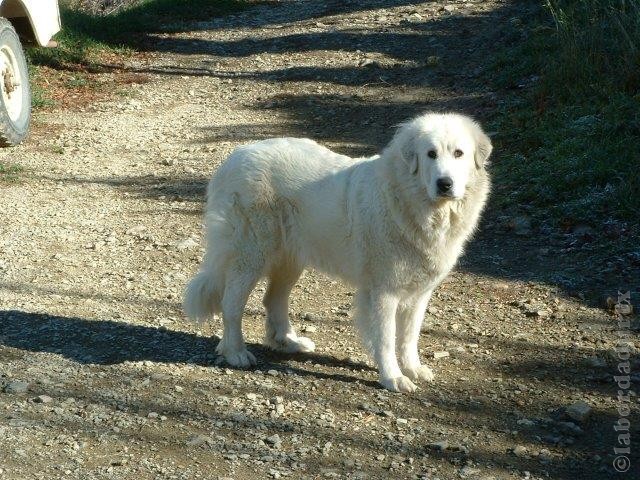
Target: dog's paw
[302, 344]
[241, 359]
[291, 344]
[420, 373]
[398, 384]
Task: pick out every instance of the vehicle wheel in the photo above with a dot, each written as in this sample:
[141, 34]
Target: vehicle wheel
[15, 95]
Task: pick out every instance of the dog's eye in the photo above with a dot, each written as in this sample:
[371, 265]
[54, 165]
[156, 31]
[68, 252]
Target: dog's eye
[432, 154]
[458, 153]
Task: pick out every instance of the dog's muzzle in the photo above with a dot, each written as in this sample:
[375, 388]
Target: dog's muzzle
[445, 187]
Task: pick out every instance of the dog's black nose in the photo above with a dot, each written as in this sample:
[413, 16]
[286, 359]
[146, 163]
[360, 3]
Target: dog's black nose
[444, 184]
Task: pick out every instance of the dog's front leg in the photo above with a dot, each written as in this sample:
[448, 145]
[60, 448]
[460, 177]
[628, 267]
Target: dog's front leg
[409, 321]
[377, 323]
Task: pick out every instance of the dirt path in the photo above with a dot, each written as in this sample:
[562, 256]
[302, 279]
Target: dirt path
[100, 237]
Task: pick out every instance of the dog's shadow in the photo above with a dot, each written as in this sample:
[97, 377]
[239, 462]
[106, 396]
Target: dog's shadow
[108, 342]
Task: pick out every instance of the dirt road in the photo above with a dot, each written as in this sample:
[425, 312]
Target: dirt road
[101, 376]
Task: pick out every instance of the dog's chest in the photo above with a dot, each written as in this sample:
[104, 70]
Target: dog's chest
[437, 251]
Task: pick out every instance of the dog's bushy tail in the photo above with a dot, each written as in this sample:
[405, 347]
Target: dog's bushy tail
[203, 296]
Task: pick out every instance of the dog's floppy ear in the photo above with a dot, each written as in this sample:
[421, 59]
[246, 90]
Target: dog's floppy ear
[483, 146]
[409, 155]
[403, 146]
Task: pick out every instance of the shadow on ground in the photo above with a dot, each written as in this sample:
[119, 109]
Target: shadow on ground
[108, 343]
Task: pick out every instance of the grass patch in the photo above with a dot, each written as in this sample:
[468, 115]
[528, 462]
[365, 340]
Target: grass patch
[84, 37]
[39, 97]
[572, 125]
[9, 173]
[87, 40]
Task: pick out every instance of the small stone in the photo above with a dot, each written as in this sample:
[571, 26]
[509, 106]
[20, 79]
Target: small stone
[309, 329]
[544, 455]
[43, 399]
[179, 389]
[401, 421]
[578, 411]
[525, 422]
[273, 439]
[16, 387]
[187, 244]
[167, 161]
[570, 427]
[311, 317]
[137, 230]
[273, 373]
[252, 396]
[468, 471]
[520, 451]
[442, 354]
[441, 445]
[198, 440]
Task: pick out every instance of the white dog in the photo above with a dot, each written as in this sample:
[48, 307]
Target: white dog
[392, 225]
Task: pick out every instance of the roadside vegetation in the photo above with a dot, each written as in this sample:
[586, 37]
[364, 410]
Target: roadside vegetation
[87, 36]
[97, 35]
[570, 133]
[9, 173]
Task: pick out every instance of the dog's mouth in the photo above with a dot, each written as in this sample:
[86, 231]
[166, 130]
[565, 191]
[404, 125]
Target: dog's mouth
[447, 196]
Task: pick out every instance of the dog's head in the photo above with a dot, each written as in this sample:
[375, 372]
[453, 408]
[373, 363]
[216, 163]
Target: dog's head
[443, 151]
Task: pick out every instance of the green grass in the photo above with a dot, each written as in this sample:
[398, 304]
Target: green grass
[39, 98]
[84, 37]
[9, 173]
[572, 133]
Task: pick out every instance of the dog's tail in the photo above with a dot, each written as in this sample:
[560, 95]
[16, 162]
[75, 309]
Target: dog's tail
[203, 296]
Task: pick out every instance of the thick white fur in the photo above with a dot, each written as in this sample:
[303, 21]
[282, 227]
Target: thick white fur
[278, 206]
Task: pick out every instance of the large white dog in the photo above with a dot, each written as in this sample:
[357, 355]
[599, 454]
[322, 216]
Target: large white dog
[392, 225]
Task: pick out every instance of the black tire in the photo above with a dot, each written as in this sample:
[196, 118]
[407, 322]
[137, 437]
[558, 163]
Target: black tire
[15, 94]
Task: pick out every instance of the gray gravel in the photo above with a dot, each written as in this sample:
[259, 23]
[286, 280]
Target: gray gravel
[102, 377]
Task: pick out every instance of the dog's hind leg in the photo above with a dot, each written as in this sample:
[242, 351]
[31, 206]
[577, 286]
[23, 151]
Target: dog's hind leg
[409, 320]
[280, 334]
[240, 280]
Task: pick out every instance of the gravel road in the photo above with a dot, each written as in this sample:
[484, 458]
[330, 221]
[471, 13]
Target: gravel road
[101, 375]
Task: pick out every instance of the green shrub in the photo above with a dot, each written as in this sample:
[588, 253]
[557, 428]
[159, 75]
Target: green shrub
[574, 139]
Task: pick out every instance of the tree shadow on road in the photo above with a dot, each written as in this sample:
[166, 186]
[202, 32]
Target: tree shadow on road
[104, 343]
[108, 342]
